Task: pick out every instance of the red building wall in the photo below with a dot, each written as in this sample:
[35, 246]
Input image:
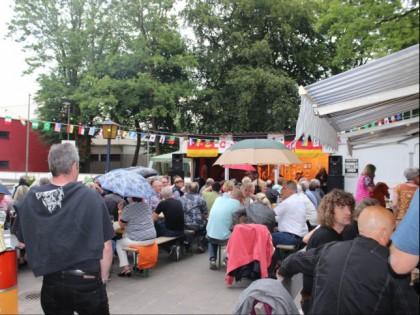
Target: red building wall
[13, 148]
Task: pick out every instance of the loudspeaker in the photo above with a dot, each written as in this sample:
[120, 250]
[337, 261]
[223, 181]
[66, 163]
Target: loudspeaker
[335, 165]
[335, 182]
[176, 173]
[177, 162]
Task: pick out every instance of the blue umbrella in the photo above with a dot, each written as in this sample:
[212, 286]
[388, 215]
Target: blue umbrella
[126, 184]
[4, 190]
[143, 171]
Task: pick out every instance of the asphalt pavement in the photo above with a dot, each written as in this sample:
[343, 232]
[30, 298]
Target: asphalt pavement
[184, 287]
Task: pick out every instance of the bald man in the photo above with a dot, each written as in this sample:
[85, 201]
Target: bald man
[353, 277]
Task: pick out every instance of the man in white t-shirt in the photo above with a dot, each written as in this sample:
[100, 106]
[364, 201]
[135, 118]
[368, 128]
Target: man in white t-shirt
[290, 216]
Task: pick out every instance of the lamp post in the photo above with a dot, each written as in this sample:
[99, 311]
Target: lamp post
[109, 131]
[67, 104]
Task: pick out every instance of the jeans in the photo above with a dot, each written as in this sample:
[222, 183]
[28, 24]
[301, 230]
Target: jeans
[161, 230]
[214, 246]
[201, 234]
[284, 239]
[68, 294]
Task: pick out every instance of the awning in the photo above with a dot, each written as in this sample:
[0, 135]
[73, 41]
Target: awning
[167, 157]
[338, 106]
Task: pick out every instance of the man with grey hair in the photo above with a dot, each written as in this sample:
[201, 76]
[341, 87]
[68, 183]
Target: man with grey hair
[291, 217]
[67, 234]
[195, 214]
[157, 198]
[171, 222]
[209, 182]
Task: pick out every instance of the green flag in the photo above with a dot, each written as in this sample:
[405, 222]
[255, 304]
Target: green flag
[47, 125]
[35, 124]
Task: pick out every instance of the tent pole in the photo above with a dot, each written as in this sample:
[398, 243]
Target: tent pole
[226, 173]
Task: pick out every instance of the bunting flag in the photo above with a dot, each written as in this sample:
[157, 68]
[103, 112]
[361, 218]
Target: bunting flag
[315, 142]
[81, 130]
[23, 121]
[92, 131]
[204, 149]
[152, 138]
[7, 120]
[47, 125]
[162, 139]
[143, 136]
[373, 124]
[386, 121]
[71, 128]
[181, 141]
[198, 143]
[190, 141]
[132, 135]
[380, 122]
[216, 143]
[171, 140]
[393, 119]
[57, 127]
[35, 124]
[100, 132]
[124, 135]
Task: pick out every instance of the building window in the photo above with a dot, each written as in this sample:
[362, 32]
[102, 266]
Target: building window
[112, 158]
[4, 135]
[4, 164]
[94, 157]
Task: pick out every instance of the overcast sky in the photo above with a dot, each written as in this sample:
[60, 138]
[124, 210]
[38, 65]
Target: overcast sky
[14, 87]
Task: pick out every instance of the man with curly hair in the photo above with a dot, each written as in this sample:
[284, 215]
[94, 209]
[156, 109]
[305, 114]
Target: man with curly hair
[334, 213]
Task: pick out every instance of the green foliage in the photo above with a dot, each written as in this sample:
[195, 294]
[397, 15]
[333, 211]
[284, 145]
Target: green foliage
[357, 31]
[127, 61]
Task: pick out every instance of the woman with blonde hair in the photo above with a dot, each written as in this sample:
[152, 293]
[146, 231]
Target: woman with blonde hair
[228, 187]
[365, 184]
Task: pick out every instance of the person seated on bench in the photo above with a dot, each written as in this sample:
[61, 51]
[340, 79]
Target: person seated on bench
[335, 212]
[258, 212]
[291, 218]
[354, 277]
[172, 221]
[139, 227]
[219, 227]
[195, 213]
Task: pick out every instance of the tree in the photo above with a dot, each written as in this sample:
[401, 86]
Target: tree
[252, 56]
[358, 31]
[70, 38]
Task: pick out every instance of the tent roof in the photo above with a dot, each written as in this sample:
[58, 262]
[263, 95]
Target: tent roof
[167, 157]
[381, 88]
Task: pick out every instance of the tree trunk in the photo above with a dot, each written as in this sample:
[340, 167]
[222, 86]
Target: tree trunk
[138, 144]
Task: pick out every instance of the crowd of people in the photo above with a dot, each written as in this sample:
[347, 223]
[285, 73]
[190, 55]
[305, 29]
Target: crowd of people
[345, 264]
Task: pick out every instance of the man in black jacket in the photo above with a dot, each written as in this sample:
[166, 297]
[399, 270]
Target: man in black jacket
[354, 277]
[67, 233]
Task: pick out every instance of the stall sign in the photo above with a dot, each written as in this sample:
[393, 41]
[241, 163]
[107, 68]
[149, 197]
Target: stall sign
[351, 167]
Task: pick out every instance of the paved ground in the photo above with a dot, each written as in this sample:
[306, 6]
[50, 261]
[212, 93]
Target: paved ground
[184, 287]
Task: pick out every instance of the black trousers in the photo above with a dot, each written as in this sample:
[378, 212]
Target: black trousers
[65, 294]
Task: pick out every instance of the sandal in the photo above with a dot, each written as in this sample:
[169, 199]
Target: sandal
[124, 273]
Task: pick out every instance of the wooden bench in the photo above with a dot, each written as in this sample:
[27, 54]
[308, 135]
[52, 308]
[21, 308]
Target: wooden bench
[286, 250]
[159, 240]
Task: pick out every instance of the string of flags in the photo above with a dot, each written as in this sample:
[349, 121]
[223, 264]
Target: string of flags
[93, 131]
[162, 139]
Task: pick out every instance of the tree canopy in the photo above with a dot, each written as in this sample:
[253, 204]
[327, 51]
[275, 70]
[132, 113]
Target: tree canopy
[240, 71]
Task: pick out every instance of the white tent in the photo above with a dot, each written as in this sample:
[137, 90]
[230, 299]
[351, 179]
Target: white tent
[381, 88]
